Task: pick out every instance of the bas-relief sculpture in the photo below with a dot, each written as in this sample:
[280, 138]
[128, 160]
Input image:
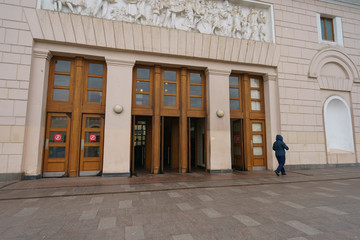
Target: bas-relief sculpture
[219, 17]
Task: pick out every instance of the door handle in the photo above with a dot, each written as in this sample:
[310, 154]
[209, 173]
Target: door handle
[251, 144]
[82, 144]
[47, 144]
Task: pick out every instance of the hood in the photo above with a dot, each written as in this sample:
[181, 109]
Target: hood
[279, 138]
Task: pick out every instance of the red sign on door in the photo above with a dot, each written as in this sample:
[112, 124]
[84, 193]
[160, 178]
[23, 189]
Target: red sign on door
[58, 137]
[92, 137]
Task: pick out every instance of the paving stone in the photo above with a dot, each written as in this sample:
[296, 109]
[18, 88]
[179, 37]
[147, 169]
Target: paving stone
[271, 193]
[95, 200]
[88, 214]
[184, 206]
[297, 238]
[237, 190]
[246, 220]
[183, 237]
[134, 233]
[303, 227]
[341, 183]
[205, 198]
[69, 198]
[354, 197]
[331, 210]
[293, 187]
[26, 212]
[59, 193]
[262, 200]
[328, 189]
[211, 213]
[107, 223]
[125, 204]
[31, 200]
[325, 194]
[291, 204]
[174, 194]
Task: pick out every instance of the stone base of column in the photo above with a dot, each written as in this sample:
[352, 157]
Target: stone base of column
[126, 174]
[220, 171]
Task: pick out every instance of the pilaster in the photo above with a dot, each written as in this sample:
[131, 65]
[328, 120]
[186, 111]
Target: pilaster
[219, 136]
[36, 114]
[272, 116]
[116, 161]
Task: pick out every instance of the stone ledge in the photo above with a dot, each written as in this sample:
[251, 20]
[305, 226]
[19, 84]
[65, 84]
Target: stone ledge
[220, 171]
[4, 177]
[319, 166]
[115, 175]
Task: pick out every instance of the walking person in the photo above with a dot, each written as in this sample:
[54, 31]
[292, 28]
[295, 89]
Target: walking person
[279, 147]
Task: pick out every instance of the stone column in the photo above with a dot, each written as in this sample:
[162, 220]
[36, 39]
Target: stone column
[36, 114]
[116, 161]
[219, 135]
[272, 116]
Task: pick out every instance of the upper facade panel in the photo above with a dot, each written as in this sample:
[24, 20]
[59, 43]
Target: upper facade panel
[249, 20]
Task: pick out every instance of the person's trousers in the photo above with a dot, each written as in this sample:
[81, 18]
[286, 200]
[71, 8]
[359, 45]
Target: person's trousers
[281, 161]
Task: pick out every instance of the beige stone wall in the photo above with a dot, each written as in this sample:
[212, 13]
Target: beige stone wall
[15, 59]
[301, 104]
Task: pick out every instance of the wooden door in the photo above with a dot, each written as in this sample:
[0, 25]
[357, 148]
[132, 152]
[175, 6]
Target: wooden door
[56, 155]
[92, 138]
[258, 150]
[238, 143]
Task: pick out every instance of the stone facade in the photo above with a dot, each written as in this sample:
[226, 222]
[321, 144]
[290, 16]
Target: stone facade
[300, 73]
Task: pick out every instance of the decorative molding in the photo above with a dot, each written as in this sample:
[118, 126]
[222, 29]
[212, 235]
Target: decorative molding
[43, 54]
[270, 77]
[119, 63]
[328, 56]
[217, 72]
[126, 36]
[249, 20]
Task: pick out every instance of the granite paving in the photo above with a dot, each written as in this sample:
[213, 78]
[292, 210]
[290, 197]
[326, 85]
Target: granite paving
[303, 205]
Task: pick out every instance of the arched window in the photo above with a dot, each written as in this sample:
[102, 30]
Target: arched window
[338, 125]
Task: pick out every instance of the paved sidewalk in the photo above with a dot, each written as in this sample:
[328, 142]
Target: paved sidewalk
[305, 204]
[60, 187]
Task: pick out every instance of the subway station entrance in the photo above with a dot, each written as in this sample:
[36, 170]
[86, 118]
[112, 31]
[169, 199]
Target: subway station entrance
[247, 122]
[168, 122]
[74, 133]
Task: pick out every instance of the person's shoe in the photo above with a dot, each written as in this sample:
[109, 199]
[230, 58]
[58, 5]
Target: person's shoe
[277, 173]
[283, 174]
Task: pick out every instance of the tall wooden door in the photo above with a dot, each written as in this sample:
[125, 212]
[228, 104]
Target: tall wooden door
[56, 155]
[238, 144]
[92, 138]
[258, 143]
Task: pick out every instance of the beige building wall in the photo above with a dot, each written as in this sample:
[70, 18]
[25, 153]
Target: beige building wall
[15, 60]
[301, 99]
[285, 67]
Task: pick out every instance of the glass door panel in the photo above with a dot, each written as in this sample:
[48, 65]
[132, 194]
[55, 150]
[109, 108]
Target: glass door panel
[56, 155]
[91, 144]
[258, 143]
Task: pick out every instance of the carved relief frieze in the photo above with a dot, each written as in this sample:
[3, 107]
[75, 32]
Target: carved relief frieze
[237, 19]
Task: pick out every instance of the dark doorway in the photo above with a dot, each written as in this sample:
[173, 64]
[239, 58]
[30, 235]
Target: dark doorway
[141, 144]
[237, 144]
[170, 144]
[197, 131]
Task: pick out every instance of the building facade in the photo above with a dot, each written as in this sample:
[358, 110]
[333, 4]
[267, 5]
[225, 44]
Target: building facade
[120, 87]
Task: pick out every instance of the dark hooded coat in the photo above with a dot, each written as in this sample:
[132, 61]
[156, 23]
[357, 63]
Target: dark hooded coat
[279, 146]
